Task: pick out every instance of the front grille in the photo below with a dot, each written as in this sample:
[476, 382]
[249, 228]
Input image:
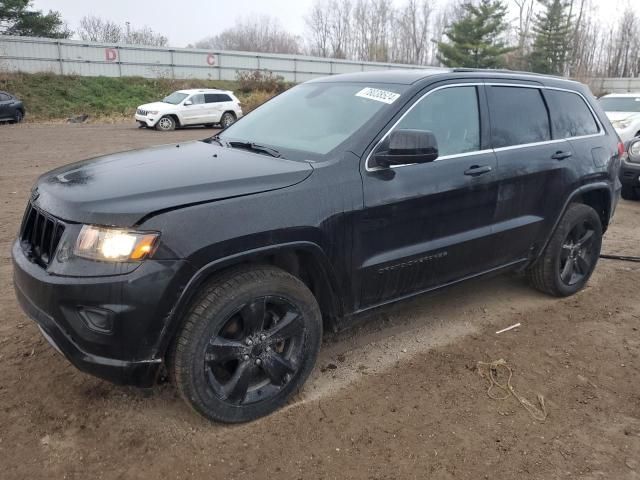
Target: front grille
[142, 112]
[39, 235]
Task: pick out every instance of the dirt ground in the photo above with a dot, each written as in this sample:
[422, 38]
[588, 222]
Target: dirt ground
[396, 398]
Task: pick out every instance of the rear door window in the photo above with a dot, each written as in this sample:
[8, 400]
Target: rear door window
[570, 115]
[518, 116]
[452, 114]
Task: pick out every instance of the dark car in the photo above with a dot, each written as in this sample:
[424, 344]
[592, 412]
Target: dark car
[11, 109]
[630, 172]
[223, 260]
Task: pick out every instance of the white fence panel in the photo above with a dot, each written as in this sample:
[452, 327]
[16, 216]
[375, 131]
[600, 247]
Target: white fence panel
[32, 55]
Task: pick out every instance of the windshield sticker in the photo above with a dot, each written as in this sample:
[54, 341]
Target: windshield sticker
[378, 95]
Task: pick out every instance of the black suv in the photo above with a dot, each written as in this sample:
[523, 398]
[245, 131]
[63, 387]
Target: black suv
[223, 260]
[11, 109]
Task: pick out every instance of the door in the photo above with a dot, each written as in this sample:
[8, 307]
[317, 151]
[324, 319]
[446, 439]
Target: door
[426, 225]
[5, 106]
[196, 112]
[533, 168]
[216, 103]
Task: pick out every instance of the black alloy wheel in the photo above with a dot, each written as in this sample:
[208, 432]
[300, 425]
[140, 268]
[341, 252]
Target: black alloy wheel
[578, 256]
[247, 344]
[256, 351]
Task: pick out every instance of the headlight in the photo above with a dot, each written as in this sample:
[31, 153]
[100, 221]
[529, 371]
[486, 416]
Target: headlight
[621, 124]
[152, 112]
[114, 244]
[634, 151]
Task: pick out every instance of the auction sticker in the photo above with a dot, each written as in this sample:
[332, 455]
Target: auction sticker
[378, 95]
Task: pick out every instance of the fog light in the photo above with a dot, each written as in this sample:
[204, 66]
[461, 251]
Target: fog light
[97, 319]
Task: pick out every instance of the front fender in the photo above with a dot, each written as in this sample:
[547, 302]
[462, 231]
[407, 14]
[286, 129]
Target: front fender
[173, 320]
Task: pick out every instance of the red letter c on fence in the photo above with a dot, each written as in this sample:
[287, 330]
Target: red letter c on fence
[111, 54]
[211, 59]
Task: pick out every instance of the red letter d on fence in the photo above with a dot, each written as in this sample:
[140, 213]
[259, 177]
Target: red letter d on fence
[111, 54]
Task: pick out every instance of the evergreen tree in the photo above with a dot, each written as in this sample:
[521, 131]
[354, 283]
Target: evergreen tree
[16, 18]
[475, 39]
[552, 38]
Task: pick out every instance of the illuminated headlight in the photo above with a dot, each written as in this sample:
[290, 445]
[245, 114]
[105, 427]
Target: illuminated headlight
[621, 124]
[114, 244]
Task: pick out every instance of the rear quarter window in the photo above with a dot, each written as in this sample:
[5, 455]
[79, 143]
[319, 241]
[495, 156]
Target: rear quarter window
[518, 116]
[570, 115]
[216, 98]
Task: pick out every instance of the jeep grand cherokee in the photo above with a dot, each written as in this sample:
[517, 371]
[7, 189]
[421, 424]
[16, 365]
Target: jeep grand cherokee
[222, 260]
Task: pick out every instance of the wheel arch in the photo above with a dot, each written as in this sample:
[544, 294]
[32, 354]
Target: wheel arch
[305, 260]
[597, 196]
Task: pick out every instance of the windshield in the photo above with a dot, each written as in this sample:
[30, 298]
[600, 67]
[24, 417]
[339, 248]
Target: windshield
[175, 98]
[314, 117]
[620, 104]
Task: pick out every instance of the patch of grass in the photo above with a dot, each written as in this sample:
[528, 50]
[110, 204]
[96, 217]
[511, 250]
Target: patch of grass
[49, 96]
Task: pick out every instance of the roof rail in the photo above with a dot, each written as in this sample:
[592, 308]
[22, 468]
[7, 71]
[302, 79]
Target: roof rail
[506, 70]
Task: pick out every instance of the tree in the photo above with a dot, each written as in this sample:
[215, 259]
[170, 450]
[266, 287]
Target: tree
[254, 34]
[17, 18]
[553, 37]
[96, 29]
[476, 39]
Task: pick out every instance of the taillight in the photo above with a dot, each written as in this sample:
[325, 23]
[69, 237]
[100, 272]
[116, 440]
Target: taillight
[620, 149]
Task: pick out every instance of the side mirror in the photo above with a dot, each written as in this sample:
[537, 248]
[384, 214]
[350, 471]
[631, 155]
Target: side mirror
[634, 151]
[187, 103]
[407, 147]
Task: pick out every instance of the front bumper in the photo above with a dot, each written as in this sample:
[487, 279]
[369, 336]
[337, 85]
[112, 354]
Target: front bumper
[148, 121]
[630, 174]
[136, 304]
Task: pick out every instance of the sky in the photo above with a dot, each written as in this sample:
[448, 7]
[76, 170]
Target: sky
[188, 21]
[183, 22]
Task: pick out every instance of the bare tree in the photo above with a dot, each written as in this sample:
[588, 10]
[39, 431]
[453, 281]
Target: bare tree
[254, 34]
[96, 29]
[319, 28]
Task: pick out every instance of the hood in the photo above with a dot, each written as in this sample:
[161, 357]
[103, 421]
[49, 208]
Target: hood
[122, 188]
[156, 106]
[617, 116]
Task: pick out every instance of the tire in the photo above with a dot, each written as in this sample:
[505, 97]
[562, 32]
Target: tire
[166, 124]
[569, 259]
[18, 116]
[227, 119]
[629, 193]
[248, 343]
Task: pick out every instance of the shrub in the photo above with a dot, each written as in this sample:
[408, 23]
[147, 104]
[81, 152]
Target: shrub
[260, 80]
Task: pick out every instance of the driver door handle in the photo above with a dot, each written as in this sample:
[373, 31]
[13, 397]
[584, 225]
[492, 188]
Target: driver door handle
[476, 170]
[560, 155]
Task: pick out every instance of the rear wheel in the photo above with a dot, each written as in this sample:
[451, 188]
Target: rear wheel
[166, 124]
[227, 119]
[17, 117]
[247, 345]
[571, 255]
[629, 193]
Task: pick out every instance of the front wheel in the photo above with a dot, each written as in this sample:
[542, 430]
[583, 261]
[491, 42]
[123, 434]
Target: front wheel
[247, 345]
[166, 124]
[571, 255]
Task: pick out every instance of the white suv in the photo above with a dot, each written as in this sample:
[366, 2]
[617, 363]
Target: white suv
[623, 109]
[191, 107]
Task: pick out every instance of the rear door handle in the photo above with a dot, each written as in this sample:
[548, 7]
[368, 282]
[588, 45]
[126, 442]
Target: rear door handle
[476, 170]
[560, 155]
